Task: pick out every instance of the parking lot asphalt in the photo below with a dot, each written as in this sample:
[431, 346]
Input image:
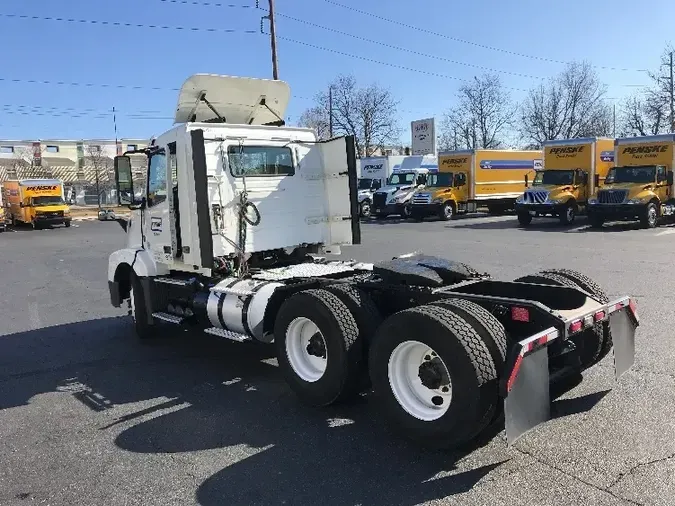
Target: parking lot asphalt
[90, 416]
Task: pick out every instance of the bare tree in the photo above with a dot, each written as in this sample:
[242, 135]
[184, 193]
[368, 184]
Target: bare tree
[650, 112]
[368, 113]
[570, 105]
[644, 114]
[481, 118]
[100, 164]
[317, 118]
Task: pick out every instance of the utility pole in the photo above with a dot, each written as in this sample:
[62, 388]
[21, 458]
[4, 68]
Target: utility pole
[614, 121]
[672, 96]
[273, 41]
[330, 111]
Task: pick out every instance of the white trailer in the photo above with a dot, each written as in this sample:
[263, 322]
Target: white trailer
[226, 241]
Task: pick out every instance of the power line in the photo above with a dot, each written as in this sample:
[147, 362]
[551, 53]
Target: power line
[208, 4]
[122, 24]
[476, 44]
[371, 60]
[358, 37]
[399, 48]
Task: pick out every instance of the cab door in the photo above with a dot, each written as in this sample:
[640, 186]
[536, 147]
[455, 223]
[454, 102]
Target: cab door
[581, 185]
[461, 189]
[662, 186]
[157, 216]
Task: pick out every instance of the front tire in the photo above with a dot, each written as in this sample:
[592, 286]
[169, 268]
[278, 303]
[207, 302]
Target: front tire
[139, 310]
[596, 221]
[433, 376]
[447, 211]
[318, 347]
[524, 219]
[569, 214]
[650, 217]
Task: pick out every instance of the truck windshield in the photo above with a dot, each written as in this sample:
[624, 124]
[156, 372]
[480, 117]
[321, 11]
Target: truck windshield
[440, 179]
[554, 177]
[638, 174]
[48, 200]
[402, 178]
[365, 184]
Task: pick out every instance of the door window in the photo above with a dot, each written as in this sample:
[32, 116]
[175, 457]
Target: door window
[157, 187]
[661, 174]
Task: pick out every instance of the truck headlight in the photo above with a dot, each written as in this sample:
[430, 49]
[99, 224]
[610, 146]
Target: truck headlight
[399, 198]
[636, 201]
[555, 201]
[438, 200]
[592, 201]
[520, 200]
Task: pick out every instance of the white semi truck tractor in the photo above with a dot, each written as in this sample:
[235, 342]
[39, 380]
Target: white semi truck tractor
[232, 236]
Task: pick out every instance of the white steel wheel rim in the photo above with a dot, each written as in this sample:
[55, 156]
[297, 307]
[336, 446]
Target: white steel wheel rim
[365, 208]
[300, 334]
[447, 210]
[570, 213]
[414, 397]
[651, 213]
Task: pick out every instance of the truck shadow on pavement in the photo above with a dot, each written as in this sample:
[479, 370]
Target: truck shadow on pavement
[549, 226]
[200, 393]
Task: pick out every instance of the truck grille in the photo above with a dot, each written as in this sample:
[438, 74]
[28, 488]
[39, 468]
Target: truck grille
[421, 198]
[535, 197]
[379, 199]
[612, 196]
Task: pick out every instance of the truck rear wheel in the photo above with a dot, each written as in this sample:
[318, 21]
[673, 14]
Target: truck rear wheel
[367, 317]
[587, 284]
[318, 347]
[592, 340]
[433, 376]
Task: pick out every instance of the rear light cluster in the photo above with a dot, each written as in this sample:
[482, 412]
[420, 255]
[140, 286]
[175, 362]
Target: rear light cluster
[586, 321]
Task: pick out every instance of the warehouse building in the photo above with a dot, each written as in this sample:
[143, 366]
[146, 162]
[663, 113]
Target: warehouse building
[85, 165]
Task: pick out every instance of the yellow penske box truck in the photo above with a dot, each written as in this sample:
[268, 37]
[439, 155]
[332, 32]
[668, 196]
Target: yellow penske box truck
[37, 202]
[640, 185]
[568, 179]
[471, 178]
[3, 211]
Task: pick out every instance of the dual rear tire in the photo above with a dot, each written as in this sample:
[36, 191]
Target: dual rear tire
[434, 368]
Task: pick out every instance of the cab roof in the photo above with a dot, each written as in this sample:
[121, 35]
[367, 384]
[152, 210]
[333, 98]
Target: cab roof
[231, 99]
[39, 182]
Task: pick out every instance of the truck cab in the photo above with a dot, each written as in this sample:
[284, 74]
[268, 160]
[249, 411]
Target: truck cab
[555, 192]
[229, 240]
[440, 195]
[640, 186]
[396, 196]
[367, 186]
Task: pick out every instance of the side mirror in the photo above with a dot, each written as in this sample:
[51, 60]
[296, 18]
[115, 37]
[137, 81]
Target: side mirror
[669, 177]
[21, 204]
[124, 181]
[596, 180]
[527, 181]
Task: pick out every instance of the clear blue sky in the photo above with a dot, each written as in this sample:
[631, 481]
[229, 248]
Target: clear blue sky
[621, 35]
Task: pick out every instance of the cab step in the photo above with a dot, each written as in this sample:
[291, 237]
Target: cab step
[171, 318]
[227, 334]
[174, 281]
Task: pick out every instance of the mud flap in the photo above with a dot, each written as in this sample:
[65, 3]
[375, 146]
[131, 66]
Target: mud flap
[527, 402]
[623, 325]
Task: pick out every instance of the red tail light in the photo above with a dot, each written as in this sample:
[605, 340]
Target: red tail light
[520, 314]
[600, 315]
[575, 326]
